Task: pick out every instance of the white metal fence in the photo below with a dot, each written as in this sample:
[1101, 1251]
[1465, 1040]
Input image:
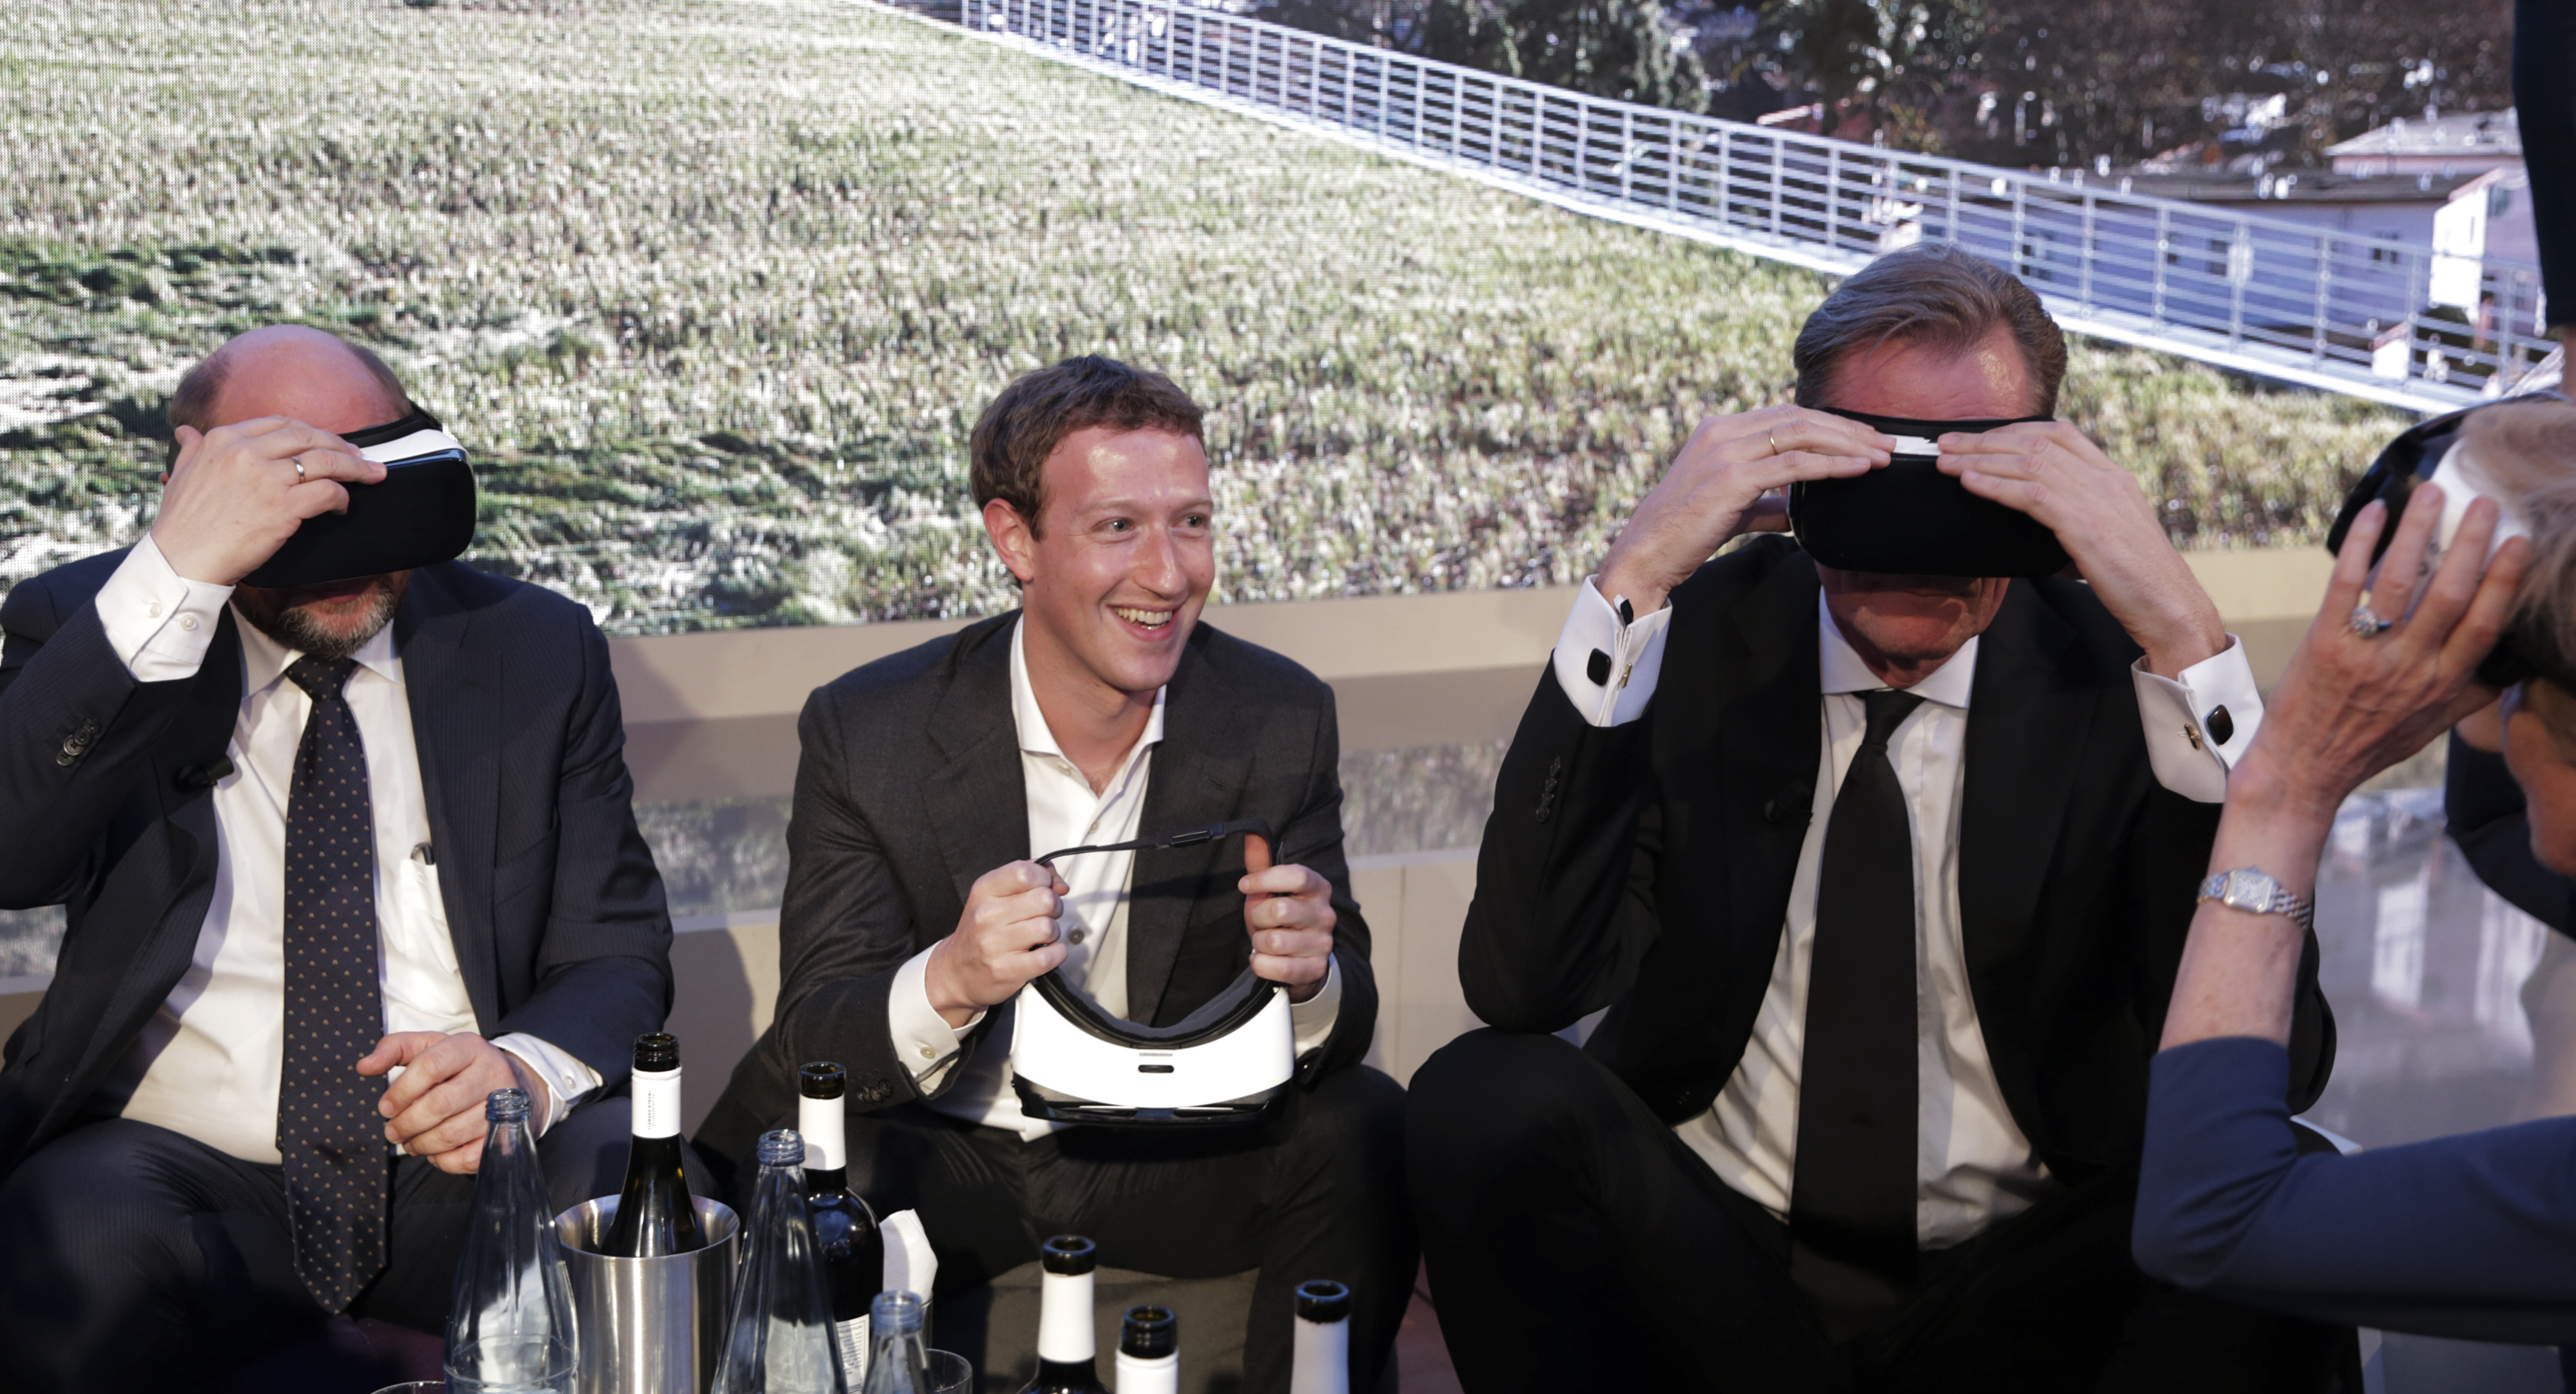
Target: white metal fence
[2368, 316]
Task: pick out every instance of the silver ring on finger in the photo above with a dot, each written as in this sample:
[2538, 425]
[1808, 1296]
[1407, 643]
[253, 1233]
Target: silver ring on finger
[299, 469]
[2366, 623]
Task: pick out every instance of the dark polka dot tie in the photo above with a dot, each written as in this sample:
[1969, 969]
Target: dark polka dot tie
[327, 1125]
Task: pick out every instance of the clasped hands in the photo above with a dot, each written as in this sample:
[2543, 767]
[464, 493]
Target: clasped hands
[435, 1111]
[1731, 478]
[1008, 936]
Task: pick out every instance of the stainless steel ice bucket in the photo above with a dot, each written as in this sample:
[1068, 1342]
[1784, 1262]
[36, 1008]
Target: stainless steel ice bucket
[648, 1325]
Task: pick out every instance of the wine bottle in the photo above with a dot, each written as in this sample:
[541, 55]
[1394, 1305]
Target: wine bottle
[1149, 1352]
[778, 1333]
[1322, 1354]
[655, 1215]
[844, 1228]
[509, 1318]
[1067, 1350]
[898, 1363]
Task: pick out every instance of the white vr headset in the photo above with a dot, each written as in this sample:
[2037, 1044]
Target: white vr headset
[1074, 1061]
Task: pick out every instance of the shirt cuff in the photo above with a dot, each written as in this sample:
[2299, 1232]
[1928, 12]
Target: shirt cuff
[1315, 1017]
[568, 1081]
[2198, 725]
[1608, 669]
[158, 622]
[922, 1038]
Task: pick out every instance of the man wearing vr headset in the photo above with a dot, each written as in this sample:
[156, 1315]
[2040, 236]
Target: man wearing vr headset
[1103, 711]
[342, 855]
[1880, 876]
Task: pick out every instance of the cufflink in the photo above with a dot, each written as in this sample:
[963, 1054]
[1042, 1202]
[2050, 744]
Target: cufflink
[1598, 669]
[2222, 727]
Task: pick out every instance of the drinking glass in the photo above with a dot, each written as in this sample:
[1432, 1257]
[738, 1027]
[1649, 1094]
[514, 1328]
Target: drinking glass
[950, 1373]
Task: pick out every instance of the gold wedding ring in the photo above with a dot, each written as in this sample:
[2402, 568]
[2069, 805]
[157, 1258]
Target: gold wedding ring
[1774, 438]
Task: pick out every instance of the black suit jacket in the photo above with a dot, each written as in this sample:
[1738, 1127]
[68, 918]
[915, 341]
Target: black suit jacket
[1646, 867]
[910, 788]
[106, 808]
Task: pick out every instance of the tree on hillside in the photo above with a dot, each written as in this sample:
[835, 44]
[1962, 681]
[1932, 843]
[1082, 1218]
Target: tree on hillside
[1624, 49]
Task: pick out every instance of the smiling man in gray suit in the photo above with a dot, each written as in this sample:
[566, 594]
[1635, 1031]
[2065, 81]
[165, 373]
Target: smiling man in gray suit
[1101, 711]
[306, 836]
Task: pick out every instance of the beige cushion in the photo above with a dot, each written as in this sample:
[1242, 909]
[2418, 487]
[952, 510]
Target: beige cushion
[996, 1325]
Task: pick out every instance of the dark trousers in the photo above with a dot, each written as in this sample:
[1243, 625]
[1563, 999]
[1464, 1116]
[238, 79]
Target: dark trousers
[1315, 1191]
[1575, 1243]
[134, 1258]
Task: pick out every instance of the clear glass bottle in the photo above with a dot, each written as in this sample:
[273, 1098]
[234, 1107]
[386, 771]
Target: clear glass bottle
[898, 1362]
[509, 1318]
[1068, 1352]
[778, 1335]
[1149, 1352]
[1322, 1354]
[853, 1249]
[655, 1215]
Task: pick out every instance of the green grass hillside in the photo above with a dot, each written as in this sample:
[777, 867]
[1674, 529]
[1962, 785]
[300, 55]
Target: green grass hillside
[715, 287]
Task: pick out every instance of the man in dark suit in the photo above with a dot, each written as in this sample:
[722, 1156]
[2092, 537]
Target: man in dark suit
[307, 837]
[1101, 711]
[1881, 880]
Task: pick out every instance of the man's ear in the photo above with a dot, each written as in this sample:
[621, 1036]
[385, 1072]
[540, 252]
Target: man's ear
[1013, 539]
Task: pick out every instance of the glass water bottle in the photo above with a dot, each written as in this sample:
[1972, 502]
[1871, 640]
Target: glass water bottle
[898, 1362]
[509, 1317]
[778, 1336]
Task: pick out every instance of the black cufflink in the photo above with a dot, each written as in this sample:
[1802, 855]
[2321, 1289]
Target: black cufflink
[1598, 669]
[2222, 727]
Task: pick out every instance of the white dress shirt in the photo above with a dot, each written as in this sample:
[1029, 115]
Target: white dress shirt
[1973, 1164]
[1064, 811]
[207, 1063]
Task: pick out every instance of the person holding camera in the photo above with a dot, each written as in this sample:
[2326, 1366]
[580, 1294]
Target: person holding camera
[342, 855]
[2471, 1236]
[1876, 848]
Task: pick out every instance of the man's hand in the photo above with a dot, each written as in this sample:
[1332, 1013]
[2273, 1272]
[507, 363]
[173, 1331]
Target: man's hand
[1005, 937]
[1715, 489]
[435, 1111]
[234, 497]
[2054, 473]
[1289, 912]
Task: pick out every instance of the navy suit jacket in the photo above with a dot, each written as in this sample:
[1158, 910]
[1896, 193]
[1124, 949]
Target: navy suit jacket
[106, 808]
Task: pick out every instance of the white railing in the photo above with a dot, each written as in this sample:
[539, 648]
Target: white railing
[2263, 295]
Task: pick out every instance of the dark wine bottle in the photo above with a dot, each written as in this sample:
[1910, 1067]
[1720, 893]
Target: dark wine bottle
[655, 1215]
[1149, 1352]
[1067, 1350]
[1321, 1357]
[845, 1230]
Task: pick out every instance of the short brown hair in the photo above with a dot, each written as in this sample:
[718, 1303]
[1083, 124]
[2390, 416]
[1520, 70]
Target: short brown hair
[1935, 295]
[1023, 426]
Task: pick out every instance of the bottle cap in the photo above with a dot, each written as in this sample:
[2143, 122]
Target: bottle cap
[1068, 1254]
[658, 1051]
[782, 1148]
[506, 1106]
[1149, 1333]
[1323, 1300]
[821, 1080]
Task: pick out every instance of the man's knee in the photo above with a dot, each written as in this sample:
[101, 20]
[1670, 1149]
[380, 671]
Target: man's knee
[1490, 1089]
[1354, 1109]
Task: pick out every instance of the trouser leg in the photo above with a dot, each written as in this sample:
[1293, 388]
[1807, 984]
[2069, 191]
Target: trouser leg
[1574, 1243]
[132, 1257]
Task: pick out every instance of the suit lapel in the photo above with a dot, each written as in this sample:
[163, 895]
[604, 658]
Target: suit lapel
[2027, 721]
[1201, 772]
[1769, 743]
[976, 799]
[454, 691]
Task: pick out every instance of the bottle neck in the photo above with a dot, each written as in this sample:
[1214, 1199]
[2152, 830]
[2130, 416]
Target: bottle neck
[821, 1122]
[656, 1113]
[824, 1181]
[1064, 1320]
[1322, 1358]
[1149, 1374]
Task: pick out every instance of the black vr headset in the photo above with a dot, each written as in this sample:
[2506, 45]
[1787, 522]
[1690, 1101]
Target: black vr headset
[1910, 519]
[420, 513]
[2428, 453]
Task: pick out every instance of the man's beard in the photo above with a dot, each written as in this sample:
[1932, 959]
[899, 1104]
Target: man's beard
[281, 616]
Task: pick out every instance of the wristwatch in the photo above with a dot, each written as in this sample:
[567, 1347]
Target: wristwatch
[2257, 893]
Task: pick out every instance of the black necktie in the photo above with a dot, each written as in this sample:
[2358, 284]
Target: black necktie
[327, 1126]
[1851, 1203]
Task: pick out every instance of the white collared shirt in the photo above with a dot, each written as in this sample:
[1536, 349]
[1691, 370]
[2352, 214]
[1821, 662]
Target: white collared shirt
[1064, 811]
[1973, 1165]
[207, 1063]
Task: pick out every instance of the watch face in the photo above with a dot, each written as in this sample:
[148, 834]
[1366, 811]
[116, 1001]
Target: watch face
[2249, 890]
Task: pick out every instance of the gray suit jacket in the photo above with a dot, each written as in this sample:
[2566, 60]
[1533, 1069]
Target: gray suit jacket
[910, 788]
[106, 808]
